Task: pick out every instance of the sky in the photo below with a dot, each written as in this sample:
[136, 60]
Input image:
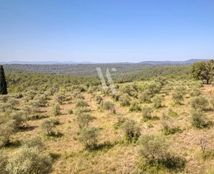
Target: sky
[106, 30]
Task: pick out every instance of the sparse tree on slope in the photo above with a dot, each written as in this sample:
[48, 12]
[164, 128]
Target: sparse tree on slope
[203, 71]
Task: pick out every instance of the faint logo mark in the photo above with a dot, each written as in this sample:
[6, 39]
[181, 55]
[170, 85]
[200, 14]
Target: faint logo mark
[108, 77]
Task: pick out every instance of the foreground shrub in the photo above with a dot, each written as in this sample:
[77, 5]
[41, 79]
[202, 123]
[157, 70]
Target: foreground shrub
[81, 103]
[147, 113]
[29, 160]
[56, 110]
[3, 163]
[135, 107]
[88, 137]
[48, 127]
[84, 119]
[99, 99]
[168, 127]
[199, 120]
[35, 142]
[108, 105]
[154, 151]
[131, 131]
[124, 100]
[19, 120]
[6, 131]
[157, 101]
[199, 103]
[212, 103]
[177, 97]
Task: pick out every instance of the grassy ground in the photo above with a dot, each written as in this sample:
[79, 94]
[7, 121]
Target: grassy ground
[114, 155]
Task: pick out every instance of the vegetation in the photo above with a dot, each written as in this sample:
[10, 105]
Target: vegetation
[203, 71]
[94, 128]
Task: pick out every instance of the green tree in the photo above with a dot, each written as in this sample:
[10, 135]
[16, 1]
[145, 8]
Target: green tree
[203, 71]
[3, 83]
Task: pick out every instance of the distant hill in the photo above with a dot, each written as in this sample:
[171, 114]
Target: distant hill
[186, 62]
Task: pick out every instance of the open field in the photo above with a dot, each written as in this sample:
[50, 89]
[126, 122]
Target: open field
[86, 129]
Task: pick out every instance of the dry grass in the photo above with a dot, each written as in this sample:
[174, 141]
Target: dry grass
[115, 156]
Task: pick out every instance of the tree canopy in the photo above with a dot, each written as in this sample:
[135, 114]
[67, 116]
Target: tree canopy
[203, 71]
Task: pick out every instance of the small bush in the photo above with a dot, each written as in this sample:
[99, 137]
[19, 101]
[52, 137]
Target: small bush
[146, 96]
[6, 131]
[131, 130]
[3, 163]
[124, 100]
[35, 142]
[157, 101]
[169, 128]
[88, 137]
[195, 92]
[199, 120]
[147, 113]
[56, 110]
[29, 160]
[84, 119]
[108, 105]
[177, 97]
[99, 100]
[19, 120]
[60, 98]
[81, 110]
[48, 127]
[199, 103]
[135, 107]
[212, 103]
[81, 103]
[155, 152]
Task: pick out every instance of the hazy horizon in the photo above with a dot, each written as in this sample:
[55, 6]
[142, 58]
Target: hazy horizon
[106, 31]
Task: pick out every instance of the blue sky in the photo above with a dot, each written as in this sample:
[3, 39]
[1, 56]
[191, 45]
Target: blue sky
[106, 30]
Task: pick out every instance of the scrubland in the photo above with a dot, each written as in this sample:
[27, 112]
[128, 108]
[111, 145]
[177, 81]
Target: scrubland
[154, 125]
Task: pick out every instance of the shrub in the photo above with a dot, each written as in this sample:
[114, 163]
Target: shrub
[19, 120]
[131, 130]
[199, 120]
[99, 99]
[195, 92]
[60, 98]
[70, 111]
[212, 103]
[199, 103]
[29, 160]
[169, 128]
[6, 131]
[35, 142]
[82, 110]
[157, 101]
[147, 113]
[124, 100]
[88, 137]
[56, 110]
[155, 152]
[3, 163]
[81, 103]
[177, 97]
[48, 127]
[84, 119]
[146, 96]
[108, 105]
[120, 122]
[154, 148]
[135, 106]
